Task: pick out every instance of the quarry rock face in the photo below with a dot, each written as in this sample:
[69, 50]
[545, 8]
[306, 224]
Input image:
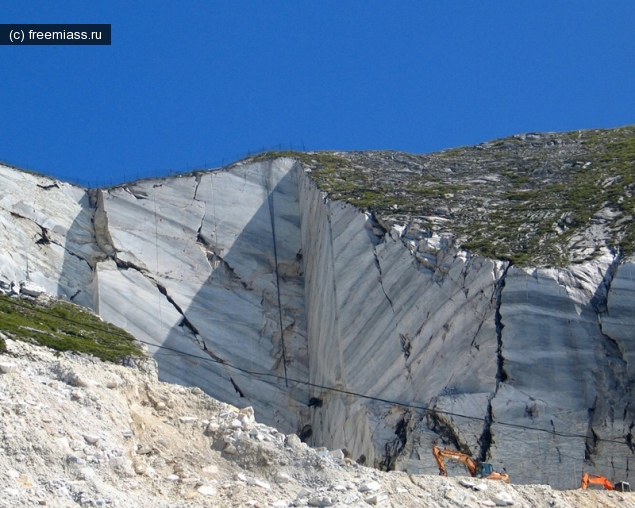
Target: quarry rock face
[217, 286]
[253, 284]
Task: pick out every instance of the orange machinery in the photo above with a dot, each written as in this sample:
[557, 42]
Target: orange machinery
[475, 468]
[595, 479]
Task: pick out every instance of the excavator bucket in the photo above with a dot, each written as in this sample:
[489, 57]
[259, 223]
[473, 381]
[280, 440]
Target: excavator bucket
[502, 477]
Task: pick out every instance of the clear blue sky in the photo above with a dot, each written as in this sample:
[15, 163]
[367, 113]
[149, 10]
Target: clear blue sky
[195, 82]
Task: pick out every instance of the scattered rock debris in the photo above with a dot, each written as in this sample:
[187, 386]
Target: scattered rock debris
[77, 431]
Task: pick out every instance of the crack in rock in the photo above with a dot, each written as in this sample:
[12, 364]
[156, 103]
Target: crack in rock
[222, 271]
[406, 346]
[393, 448]
[591, 439]
[237, 388]
[446, 431]
[381, 283]
[599, 302]
[136, 193]
[49, 187]
[185, 323]
[45, 239]
[198, 177]
[501, 375]
[600, 298]
[485, 440]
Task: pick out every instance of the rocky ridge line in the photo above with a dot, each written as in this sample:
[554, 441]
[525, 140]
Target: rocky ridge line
[539, 199]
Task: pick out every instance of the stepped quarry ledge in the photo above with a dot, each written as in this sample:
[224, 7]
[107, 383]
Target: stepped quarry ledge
[254, 267]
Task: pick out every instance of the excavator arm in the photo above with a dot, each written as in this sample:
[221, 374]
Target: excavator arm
[594, 479]
[474, 468]
[453, 455]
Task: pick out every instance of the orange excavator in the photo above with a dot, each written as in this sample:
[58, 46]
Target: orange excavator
[475, 468]
[595, 479]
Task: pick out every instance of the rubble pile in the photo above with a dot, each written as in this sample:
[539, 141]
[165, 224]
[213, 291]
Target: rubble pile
[80, 432]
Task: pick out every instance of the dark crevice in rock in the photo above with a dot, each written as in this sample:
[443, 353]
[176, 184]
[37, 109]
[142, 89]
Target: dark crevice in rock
[200, 238]
[127, 265]
[44, 239]
[210, 252]
[614, 346]
[381, 282]
[406, 346]
[448, 433]
[305, 433]
[501, 375]
[224, 273]
[237, 388]
[212, 354]
[630, 441]
[221, 269]
[393, 448]
[555, 445]
[599, 302]
[199, 234]
[185, 323]
[71, 253]
[600, 298]
[591, 439]
[315, 402]
[75, 295]
[473, 343]
[136, 193]
[198, 178]
[485, 439]
[49, 187]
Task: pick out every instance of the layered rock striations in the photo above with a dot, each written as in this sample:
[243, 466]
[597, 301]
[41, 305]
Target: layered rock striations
[253, 283]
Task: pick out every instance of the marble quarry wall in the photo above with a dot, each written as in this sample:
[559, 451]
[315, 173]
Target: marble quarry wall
[252, 284]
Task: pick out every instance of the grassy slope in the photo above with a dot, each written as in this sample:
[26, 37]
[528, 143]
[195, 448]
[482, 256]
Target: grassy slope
[524, 217]
[65, 327]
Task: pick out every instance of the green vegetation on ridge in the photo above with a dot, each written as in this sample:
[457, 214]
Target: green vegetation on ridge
[64, 326]
[539, 199]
